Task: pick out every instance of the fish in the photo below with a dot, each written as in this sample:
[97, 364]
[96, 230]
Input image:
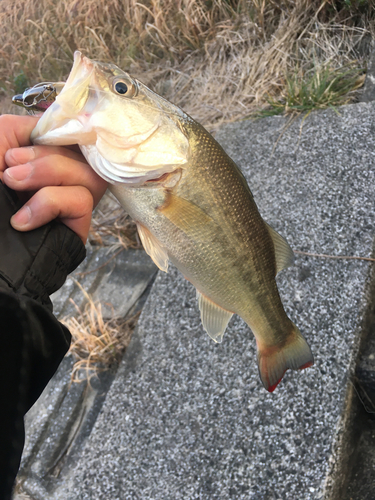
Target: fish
[191, 203]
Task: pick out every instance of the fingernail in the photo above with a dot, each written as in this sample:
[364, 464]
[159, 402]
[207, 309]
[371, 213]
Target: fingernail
[22, 155]
[20, 173]
[22, 217]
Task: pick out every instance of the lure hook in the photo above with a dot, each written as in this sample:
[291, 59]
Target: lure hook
[39, 97]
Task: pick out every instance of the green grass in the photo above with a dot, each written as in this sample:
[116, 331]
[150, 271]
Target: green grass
[318, 89]
[20, 83]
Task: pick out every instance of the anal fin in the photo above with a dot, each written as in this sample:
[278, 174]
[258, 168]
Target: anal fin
[214, 318]
[153, 247]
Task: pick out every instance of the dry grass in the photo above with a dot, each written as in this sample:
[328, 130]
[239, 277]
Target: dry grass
[218, 59]
[112, 227]
[97, 344]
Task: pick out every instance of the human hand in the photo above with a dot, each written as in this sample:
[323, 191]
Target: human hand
[57, 181]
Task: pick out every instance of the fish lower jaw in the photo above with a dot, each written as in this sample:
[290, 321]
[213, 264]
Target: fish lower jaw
[61, 135]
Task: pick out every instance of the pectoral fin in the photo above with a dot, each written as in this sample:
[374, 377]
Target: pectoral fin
[187, 216]
[214, 318]
[153, 247]
[283, 253]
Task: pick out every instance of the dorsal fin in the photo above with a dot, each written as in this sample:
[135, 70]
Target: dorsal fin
[153, 247]
[283, 253]
[214, 318]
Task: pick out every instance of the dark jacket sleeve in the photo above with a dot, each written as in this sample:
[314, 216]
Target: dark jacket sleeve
[33, 265]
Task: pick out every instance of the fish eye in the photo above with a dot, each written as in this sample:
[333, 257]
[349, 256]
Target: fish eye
[121, 88]
[124, 88]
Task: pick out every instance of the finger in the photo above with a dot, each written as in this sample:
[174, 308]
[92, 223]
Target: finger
[15, 132]
[72, 205]
[55, 170]
[20, 156]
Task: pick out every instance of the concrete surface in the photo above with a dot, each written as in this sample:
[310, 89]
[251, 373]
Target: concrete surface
[61, 420]
[360, 481]
[115, 282]
[185, 418]
[368, 93]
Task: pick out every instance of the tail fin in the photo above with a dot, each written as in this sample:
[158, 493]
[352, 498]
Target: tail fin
[274, 361]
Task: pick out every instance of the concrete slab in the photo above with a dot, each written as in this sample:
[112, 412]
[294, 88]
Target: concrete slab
[361, 431]
[368, 93]
[186, 418]
[115, 282]
[61, 420]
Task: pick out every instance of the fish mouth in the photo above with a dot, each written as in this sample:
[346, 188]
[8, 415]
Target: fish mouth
[81, 71]
[63, 119]
[68, 120]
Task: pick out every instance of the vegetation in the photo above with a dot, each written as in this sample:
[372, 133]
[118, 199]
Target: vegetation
[218, 59]
[111, 227]
[97, 344]
[320, 88]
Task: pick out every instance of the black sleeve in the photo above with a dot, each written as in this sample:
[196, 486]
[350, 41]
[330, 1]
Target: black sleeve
[33, 265]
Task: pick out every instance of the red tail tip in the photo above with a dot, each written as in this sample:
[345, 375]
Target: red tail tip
[306, 365]
[271, 388]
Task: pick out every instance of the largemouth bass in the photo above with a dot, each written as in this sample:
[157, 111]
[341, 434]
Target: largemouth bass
[191, 204]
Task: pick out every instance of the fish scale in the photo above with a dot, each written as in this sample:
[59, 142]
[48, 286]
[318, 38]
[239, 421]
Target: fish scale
[191, 204]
